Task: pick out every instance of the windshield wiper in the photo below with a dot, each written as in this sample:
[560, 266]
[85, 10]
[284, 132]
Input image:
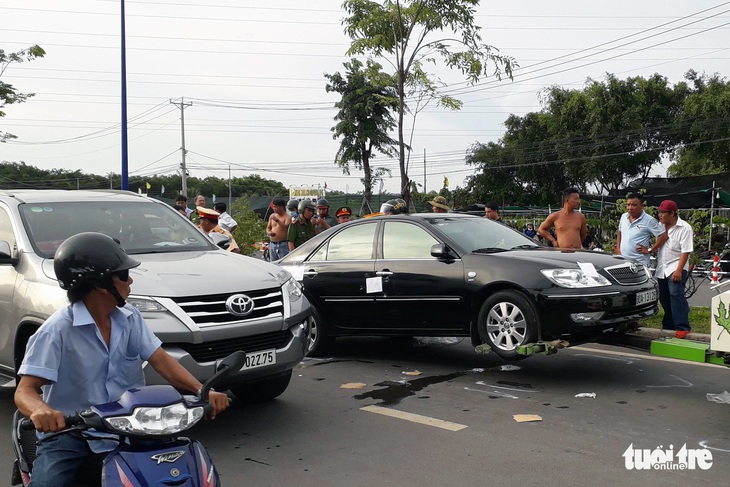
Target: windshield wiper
[525, 246]
[489, 250]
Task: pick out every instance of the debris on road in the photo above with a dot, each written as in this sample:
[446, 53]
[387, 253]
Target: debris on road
[587, 394]
[353, 385]
[525, 418]
[723, 398]
[413, 372]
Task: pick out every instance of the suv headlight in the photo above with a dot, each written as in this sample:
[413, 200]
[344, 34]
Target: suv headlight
[290, 289]
[145, 304]
[167, 420]
[574, 278]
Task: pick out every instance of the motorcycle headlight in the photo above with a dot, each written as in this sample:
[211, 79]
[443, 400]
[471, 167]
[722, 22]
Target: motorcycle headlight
[166, 420]
[574, 278]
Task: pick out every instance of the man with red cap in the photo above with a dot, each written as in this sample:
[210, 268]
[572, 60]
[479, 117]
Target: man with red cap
[209, 223]
[672, 269]
[344, 214]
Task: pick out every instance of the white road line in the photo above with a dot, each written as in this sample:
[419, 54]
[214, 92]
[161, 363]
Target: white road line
[625, 360]
[516, 389]
[415, 418]
[645, 357]
[503, 394]
[685, 383]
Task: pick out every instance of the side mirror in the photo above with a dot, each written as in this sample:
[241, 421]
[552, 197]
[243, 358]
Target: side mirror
[6, 253]
[220, 240]
[442, 251]
[226, 367]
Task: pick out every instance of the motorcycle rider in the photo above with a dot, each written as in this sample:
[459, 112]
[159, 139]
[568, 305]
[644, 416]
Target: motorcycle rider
[89, 353]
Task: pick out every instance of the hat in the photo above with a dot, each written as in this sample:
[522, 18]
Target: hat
[207, 213]
[279, 202]
[440, 202]
[343, 210]
[668, 205]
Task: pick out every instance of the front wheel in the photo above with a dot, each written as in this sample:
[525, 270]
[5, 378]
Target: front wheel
[507, 320]
[263, 390]
[319, 342]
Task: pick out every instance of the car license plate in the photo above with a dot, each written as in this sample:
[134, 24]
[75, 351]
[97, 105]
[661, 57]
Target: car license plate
[645, 297]
[260, 359]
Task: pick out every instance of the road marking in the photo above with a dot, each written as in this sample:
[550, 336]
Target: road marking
[646, 357]
[502, 394]
[516, 389]
[415, 418]
[625, 360]
[685, 383]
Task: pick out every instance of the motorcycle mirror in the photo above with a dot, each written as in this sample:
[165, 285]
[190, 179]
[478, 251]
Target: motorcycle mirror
[226, 367]
[220, 240]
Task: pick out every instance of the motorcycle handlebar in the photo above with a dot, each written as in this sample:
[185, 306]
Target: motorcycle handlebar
[71, 421]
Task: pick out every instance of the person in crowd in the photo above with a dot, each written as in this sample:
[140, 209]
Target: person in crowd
[199, 203]
[325, 220]
[491, 211]
[87, 353]
[181, 202]
[225, 221]
[569, 223]
[277, 229]
[291, 207]
[209, 224]
[530, 231]
[439, 205]
[344, 214]
[395, 206]
[302, 229]
[589, 243]
[672, 269]
[636, 230]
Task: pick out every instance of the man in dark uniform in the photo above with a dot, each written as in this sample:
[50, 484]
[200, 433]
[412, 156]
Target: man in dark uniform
[302, 229]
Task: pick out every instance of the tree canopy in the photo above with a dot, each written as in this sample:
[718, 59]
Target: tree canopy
[364, 119]
[408, 33]
[8, 93]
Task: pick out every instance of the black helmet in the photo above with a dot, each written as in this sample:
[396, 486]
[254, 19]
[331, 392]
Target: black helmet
[323, 202]
[306, 203]
[396, 207]
[292, 205]
[91, 258]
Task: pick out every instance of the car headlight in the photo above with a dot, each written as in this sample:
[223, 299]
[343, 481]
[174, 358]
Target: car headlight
[166, 420]
[289, 286]
[574, 278]
[143, 304]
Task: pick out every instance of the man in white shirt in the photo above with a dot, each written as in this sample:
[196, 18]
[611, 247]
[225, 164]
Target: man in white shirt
[225, 221]
[672, 269]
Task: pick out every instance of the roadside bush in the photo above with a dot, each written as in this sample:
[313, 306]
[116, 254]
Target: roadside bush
[251, 228]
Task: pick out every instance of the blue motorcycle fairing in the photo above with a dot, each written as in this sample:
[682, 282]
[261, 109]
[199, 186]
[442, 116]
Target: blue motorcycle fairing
[148, 396]
[181, 462]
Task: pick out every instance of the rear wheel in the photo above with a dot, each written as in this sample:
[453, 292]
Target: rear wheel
[319, 342]
[263, 390]
[507, 320]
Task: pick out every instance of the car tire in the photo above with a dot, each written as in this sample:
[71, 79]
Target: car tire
[507, 320]
[319, 342]
[263, 390]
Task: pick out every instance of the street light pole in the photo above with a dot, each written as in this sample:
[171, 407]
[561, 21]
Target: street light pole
[125, 153]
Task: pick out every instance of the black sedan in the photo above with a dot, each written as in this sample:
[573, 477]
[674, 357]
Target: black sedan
[446, 274]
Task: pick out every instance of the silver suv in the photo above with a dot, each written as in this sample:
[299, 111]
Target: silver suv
[201, 301]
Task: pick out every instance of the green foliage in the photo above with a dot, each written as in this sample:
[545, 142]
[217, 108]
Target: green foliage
[250, 230]
[407, 34]
[364, 119]
[8, 93]
[699, 319]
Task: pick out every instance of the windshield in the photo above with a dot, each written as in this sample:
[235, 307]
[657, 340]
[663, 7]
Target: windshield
[142, 227]
[481, 234]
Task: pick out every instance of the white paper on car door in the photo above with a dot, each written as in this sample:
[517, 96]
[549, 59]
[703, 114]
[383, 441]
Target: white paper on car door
[374, 284]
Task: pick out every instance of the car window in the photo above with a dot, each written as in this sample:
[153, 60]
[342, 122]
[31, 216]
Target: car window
[141, 226]
[6, 230]
[481, 233]
[406, 241]
[353, 243]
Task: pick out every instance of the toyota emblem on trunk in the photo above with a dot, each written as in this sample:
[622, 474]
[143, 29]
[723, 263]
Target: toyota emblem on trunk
[239, 305]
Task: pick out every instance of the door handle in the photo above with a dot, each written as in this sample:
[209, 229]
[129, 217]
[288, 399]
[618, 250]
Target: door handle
[384, 273]
[310, 273]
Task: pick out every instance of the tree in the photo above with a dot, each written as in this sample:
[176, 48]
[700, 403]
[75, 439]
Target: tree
[364, 119]
[404, 31]
[8, 93]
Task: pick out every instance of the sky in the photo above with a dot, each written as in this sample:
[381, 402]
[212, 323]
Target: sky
[253, 72]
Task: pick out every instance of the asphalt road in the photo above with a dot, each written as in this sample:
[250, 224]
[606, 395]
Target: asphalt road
[451, 423]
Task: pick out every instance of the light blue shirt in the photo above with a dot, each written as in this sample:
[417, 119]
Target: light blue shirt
[70, 353]
[638, 232]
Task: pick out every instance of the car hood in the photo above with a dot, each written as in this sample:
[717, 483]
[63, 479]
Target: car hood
[553, 258]
[175, 274]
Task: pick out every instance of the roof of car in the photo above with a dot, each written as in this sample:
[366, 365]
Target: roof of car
[61, 195]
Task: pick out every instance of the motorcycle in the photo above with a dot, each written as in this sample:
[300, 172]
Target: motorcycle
[147, 421]
[265, 250]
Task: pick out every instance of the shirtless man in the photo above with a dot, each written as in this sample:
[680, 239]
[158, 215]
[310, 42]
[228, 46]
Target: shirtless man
[276, 230]
[570, 225]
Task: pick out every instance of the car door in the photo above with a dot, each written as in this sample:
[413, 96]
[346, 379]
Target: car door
[335, 276]
[419, 291]
[8, 278]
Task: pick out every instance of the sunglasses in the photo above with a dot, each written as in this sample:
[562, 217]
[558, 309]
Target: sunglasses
[123, 275]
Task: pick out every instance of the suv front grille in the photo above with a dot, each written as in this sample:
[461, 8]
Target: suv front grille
[215, 350]
[624, 275]
[210, 310]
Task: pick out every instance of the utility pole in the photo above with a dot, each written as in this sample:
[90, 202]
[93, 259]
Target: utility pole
[182, 104]
[424, 172]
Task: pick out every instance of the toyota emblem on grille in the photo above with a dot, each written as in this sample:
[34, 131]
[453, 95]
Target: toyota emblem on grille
[633, 268]
[239, 305]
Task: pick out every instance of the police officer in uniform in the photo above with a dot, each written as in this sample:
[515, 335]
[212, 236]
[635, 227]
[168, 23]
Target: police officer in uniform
[303, 228]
